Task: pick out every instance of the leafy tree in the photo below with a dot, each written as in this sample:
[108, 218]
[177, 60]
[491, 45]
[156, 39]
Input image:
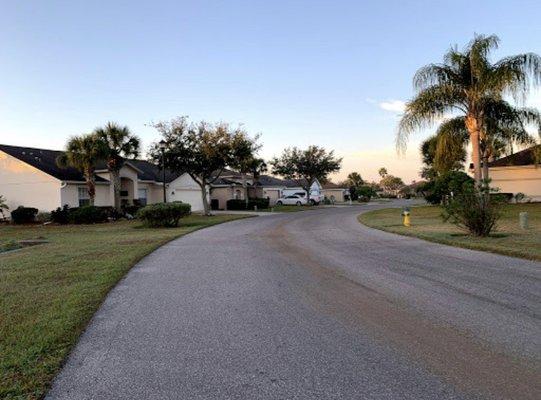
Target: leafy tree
[390, 183]
[244, 158]
[365, 192]
[83, 152]
[353, 182]
[355, 179]
[3, 206]
[465, 83]
[444, 186]
[382, 172]
[305, 166]
[201, 150]
[120, 144]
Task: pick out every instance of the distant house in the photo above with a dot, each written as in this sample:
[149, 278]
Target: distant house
[31, 177]
[334, 192]
[518, 173]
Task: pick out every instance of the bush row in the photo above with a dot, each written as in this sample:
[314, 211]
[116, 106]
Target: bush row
[237, 204]
[164, 214]
[153, 215]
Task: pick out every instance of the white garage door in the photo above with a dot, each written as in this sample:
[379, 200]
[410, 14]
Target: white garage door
[190, 196]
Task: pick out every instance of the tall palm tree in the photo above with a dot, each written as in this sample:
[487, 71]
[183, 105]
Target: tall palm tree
[504, 126]
[121, 144]
[83, 152]
[463, 84]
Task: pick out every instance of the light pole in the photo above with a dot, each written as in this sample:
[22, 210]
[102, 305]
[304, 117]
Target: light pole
[162, 148]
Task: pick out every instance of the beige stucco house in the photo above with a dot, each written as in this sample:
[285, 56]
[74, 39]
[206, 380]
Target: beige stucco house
[518, 173]
[31, 177]
[334, 192]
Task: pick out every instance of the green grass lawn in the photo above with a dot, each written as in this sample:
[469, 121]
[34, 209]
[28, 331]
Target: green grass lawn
[49, 292]
[427, 224]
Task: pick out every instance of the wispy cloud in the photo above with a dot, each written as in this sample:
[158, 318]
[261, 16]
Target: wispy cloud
[396, 106]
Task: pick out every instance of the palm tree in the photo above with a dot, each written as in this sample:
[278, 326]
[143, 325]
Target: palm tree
[120, 144]
[504, 124]
[83, 152]
[383, 172]
[463, 84]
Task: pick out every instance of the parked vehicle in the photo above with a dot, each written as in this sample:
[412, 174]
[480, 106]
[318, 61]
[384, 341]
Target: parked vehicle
[315, 195]
[292, 200]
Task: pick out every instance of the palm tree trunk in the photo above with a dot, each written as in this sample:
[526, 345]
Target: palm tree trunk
[115, 177]
[90, 185]
[474, 131]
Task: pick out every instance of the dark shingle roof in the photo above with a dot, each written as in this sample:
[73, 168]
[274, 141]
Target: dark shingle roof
[270, 181]
[524, 157]
[45, 160]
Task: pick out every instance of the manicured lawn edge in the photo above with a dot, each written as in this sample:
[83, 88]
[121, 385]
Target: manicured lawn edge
[28, 369]
[365, 219]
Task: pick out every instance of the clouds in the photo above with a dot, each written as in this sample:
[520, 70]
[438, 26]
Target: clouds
[391, 105]
[396, 106]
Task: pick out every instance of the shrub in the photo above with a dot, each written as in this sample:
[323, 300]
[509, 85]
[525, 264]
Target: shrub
[61, 215]
[24, 215]
[43, 217]
[131, 209]
[87, 215]
[474, 210]
[260, 203]
[519, 197]
[365, 193]
[163, 214]
[444, 186]
[237, 204]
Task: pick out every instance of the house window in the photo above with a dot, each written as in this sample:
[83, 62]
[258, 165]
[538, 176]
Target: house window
[84, 197]
[142, 196]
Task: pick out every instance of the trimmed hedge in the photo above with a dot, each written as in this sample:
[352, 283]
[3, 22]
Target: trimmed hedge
[61, 215]
[237, 204]
[164, 214]
[87, 215]
[24, 215]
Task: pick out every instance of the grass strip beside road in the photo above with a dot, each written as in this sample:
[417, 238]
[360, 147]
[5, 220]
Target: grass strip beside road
[508, 239]
[49, 292]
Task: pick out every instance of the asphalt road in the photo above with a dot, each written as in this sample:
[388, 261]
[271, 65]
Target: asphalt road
[313, 305]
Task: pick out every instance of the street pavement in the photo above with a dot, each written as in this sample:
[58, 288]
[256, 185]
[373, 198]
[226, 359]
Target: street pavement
[313, 305]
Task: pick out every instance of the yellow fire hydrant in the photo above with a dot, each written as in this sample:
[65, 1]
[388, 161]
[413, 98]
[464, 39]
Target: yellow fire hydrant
[406, 215]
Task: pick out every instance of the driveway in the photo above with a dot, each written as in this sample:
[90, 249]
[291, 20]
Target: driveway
[313, 305]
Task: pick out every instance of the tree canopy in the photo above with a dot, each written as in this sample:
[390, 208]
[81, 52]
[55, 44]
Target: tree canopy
[202, 150]
[83, 152]
[305, 166]
[467, 85]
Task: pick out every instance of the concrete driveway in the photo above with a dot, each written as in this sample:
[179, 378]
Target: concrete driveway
[313, 305]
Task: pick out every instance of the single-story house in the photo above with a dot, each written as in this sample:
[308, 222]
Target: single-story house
[31, 177]
[518, 173]
[334, 192]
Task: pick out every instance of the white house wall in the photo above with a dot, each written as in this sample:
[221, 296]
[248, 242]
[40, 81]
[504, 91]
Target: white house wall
[70, 194]
[518, 179]
[22, 184]
[185, 189]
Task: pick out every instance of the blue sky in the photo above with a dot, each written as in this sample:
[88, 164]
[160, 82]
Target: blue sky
[331, 73]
